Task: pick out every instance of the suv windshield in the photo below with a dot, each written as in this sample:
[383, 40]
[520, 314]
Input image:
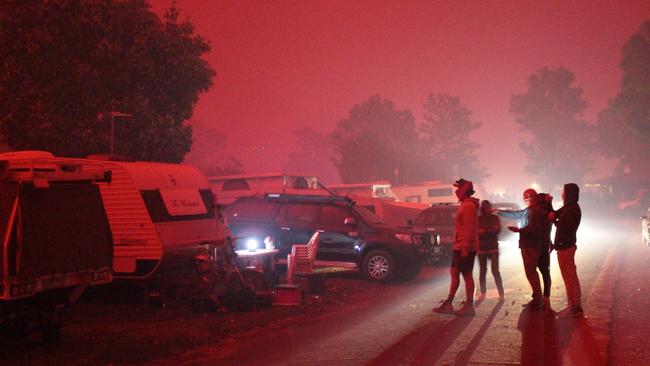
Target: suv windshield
[369, 217]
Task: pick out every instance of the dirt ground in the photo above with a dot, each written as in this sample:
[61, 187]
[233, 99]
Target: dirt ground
[112, 332]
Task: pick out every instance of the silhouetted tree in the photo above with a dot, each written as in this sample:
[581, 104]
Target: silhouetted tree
[446, 128]
[67, 64]
[377, 142]
[210, 152]
[313, 155]
[550, 111]
[624, 127]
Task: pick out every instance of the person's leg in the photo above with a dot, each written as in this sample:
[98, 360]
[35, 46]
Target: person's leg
[466, 267]
[446, 306]
[455, 283]
[566, 260]
[494, 261]
[530, 257]
[545, 270]
[482, 270]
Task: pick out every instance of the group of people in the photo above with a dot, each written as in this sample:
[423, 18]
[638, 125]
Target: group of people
[477, 235]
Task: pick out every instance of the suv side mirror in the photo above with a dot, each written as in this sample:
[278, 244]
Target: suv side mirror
[350, 221]
[409, 222]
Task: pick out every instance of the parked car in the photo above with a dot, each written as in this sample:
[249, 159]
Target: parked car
[439, 218]
[352, 236]
[645, 228]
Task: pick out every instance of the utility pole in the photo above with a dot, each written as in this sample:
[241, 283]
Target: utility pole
[113, 115]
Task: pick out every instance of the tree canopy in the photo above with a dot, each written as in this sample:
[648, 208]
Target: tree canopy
[445, 130]
[558, 150]
[624, 127]
[377, 142]
[66, 65]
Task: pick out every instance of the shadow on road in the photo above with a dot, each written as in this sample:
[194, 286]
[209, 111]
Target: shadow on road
[427, 344]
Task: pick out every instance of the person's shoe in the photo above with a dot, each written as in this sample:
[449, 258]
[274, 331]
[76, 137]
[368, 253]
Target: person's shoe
[481, 297]
[445, 307]
[466, 309]
[533, 304]
[571, 312]
[502, 297]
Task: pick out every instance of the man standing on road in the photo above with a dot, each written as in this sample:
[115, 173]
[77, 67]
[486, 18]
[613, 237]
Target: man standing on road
[464, 250]
[532, 224]
[567, 220]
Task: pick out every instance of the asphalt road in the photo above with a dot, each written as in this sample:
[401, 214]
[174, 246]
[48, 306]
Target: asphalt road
[396, 326]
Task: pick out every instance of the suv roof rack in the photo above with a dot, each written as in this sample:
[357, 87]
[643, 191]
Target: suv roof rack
[308, 197]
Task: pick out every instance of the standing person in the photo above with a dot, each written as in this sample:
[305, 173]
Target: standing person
[532, 223]
[567, 220]
[544, 265]
[488, 248]
[464, 250]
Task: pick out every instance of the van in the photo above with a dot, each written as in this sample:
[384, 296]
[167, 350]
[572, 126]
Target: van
[432, 192]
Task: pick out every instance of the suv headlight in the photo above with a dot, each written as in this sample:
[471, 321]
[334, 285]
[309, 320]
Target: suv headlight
[404, 238]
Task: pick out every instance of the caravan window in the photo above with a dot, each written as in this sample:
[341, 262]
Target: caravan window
[235, 185]
[440, 192]
[161, 210]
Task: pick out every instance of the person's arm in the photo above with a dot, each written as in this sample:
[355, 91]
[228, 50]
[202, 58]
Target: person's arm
[518, 214]
[536, 223]
[567, 220]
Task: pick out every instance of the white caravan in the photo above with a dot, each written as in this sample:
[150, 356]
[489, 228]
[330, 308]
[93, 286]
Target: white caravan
[161, 216]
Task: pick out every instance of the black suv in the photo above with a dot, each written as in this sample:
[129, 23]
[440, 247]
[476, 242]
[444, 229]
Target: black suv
[351, 236]
[439, 218]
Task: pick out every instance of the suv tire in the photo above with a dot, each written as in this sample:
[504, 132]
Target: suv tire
[378, 265]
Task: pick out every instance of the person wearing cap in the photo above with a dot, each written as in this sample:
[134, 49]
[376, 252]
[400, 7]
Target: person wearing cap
[545, 201]
[567, 220]
[464, 248]
[531, 229]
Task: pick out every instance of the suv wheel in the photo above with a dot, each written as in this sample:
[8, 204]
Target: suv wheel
[379, 266]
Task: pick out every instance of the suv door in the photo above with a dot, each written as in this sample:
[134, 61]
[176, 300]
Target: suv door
[338, 240]
[297, 222]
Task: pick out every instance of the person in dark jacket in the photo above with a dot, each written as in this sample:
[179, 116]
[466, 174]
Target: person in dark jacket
[532, 224]
[544, 263]
[488, 248]
[567, 221]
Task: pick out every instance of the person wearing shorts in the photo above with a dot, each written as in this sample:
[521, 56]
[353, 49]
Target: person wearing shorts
[464, 249]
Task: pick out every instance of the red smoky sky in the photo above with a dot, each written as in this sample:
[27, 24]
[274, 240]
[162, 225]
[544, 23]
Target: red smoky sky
[284, 65]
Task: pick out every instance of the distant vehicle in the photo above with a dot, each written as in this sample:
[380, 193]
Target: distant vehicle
[379, 198]
[380, 189]
[352, 237]
[441, 219]
[645, 228]
[161, 216]
[432, 192]
[56, 240]
[228, 188]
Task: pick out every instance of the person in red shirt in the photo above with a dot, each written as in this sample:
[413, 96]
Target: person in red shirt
[464, 250]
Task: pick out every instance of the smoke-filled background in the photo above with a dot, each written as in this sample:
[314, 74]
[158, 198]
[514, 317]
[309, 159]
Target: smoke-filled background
[511, 94]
